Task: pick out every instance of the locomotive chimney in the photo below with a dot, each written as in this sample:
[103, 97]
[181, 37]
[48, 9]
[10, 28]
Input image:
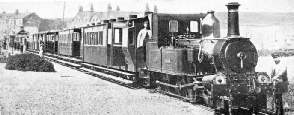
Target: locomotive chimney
[233, 19]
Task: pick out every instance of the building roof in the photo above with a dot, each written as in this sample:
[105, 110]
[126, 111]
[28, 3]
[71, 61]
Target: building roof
[6, 15]
[125, 14]
[85, 14]
[13, 15]
[22, 15]
[105, 15]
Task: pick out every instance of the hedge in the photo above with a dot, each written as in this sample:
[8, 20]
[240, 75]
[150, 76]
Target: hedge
[29, 62]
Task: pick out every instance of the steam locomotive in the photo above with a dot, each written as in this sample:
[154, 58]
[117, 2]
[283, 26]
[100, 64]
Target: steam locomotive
[185, 57]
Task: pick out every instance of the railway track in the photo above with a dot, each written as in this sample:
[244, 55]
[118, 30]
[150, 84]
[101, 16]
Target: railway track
[106, 75]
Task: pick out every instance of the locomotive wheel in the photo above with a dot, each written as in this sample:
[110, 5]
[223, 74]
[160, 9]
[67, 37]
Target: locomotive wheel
[228, 108]
[181, 91]
[166, 79]
[178, 90]
[160, 87]
[189, 90]
[185, 91]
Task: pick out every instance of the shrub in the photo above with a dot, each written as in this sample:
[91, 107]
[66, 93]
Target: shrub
[29, 62]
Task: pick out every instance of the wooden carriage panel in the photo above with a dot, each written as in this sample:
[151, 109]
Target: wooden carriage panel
[94, 55]
[118, 56]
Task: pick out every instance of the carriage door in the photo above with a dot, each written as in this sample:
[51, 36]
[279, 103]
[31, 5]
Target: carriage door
[56, 43]
[129, 48]
[117, 53]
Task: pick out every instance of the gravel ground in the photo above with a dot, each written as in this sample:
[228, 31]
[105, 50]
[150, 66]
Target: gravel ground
[69, 92]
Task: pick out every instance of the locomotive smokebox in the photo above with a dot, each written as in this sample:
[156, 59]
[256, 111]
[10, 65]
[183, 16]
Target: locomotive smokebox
[233, 19]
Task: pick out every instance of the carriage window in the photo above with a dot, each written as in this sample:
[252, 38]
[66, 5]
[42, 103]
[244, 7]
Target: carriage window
[131, 36]
[73, 36]
[96, 38]
[109, 36]
[63, 37]
[70, 37]
[173, 26]
[118, 36]
[85, 38]
[92, 38]
[66, 38]
[100, 38]
[89, 37]
[194, 26]
[77, 36]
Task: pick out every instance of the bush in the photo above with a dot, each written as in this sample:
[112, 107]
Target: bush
[29, 62]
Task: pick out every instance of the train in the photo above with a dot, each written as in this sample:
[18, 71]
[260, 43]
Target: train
[184, 57]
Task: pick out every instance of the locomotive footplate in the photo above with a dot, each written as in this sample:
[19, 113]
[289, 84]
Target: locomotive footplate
[249, 89]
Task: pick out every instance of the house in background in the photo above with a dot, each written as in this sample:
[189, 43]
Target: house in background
[91, 17]
[11, 23]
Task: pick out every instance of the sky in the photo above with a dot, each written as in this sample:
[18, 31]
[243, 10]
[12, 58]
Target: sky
[54, 8]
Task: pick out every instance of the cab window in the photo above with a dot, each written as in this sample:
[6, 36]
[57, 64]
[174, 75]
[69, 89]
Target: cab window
[194, 26]
[117, 36]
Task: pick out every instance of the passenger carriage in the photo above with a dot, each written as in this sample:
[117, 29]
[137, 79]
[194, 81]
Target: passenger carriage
[102, 44]
[51, 42]
[69, 42]
[36, 42]
[30, 43]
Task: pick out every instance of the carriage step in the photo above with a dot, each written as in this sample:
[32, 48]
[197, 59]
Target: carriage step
[90, 66]
[106, 75]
